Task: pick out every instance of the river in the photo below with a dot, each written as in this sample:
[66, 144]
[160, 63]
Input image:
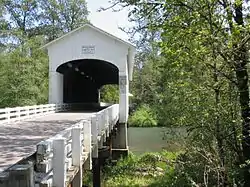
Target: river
[154, 139]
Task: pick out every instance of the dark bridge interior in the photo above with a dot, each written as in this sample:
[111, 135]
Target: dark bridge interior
[84, 78]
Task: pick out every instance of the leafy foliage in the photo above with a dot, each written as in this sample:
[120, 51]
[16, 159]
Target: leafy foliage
[25, 26]
[58, 17]
[110, 94]
[144, 116]
[141, 170]
[24, 77]
[191, 70]
[203, 47]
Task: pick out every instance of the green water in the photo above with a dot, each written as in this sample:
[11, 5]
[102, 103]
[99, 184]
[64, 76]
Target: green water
[155, 139]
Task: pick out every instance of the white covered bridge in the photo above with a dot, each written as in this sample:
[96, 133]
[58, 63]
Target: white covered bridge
[52, 144]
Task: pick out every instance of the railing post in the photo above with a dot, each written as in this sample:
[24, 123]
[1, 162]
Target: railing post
[47, 108]
[43, 159]
[40, 110]
[44, 109]
[27, 111]
[107, 127]
[87, 143]
[18, 113]
[4, 179]
[95, 159]
[59, 107]
[76, 155]
[76, 146]
[110, 119]
[103, 125]
[68, 106]
[113, 115]
[94, 129]
[7, 114]
[56, 108]
[21, 175]
[35, 109]
[99, 123]
[59, 157]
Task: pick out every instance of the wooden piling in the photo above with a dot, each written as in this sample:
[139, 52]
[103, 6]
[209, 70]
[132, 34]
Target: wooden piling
[96, 172]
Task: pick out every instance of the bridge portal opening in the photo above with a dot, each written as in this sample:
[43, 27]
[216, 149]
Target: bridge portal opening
[82, 79]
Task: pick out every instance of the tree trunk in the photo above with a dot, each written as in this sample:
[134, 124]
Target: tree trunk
[242, 79]
[240, 59]
[220, 144]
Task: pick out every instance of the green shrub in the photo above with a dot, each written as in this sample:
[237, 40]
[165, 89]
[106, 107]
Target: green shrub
[110, 93]
[144, 116]
[124, 166]
[130, 171]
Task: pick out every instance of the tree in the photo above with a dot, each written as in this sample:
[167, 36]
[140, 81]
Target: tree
[110, 93]
[24, 76]
[23, 15]
[60, 17]
[25, 25]
[209, 40]
[48, 18]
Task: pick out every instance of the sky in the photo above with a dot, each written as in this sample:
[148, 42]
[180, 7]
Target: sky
[108, 20]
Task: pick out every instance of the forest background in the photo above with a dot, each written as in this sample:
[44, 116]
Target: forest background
[191, 70]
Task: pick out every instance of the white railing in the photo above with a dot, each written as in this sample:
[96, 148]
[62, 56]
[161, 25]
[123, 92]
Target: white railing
[73, 147]
[8, 115]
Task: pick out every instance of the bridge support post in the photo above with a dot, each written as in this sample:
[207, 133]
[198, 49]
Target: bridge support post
[120, 140]
[96, 172]
[55, 87]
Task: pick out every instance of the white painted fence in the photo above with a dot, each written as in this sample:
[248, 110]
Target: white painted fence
[8, 115]
[66, 152]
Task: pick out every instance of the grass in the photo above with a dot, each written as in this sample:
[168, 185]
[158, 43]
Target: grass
[139, 171]
[128, 181]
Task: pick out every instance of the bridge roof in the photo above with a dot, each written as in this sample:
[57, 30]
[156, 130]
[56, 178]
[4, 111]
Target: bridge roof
[130, 45]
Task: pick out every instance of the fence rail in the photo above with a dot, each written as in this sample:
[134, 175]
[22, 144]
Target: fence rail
[60, 156]
[8, 115]
[59, 160]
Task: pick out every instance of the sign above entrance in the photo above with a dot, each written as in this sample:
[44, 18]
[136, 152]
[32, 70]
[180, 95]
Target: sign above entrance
[88, 49]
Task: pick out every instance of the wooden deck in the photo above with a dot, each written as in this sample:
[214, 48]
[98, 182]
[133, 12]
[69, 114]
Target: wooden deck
[18, 139]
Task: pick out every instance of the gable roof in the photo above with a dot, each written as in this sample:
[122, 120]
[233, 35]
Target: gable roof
[94, 28]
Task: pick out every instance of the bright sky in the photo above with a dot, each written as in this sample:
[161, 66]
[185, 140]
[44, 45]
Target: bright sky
[108, 20]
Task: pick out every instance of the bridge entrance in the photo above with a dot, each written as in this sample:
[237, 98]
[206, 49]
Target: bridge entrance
[82, 79]
[84, 60]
